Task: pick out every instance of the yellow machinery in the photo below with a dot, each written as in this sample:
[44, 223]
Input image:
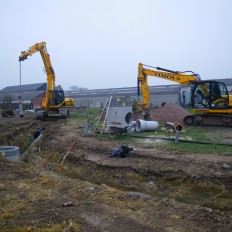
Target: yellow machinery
[54, 101]
[210, 100]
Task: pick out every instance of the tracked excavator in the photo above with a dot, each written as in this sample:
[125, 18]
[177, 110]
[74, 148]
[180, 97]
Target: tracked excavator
[210, 100]
[54, 101]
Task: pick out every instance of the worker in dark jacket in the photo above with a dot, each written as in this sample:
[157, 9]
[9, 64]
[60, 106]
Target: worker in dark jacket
[121, 152]
[37, 133]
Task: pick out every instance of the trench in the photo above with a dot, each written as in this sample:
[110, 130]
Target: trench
[19, 134]
[212, 193]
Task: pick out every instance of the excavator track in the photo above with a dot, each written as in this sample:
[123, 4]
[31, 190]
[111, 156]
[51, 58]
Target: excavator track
[208, 120]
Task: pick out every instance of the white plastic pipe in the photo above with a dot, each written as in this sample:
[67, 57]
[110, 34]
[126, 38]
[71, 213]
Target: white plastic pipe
[142, 125]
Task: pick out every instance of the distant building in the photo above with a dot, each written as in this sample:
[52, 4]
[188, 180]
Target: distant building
[32, 95]
[178, 94]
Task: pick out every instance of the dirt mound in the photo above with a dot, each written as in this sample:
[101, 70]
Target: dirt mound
[169, 113]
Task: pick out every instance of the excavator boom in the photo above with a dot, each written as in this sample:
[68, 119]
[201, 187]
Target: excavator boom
[170, 75]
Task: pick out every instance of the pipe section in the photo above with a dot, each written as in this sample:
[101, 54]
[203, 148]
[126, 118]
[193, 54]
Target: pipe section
[142, 125]
[176, 127]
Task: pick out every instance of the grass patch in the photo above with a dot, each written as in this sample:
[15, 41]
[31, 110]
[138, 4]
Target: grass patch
[188, 133]
[179, 147]
[191, 134]
[195, 133]
[84, 114]
[200, 148]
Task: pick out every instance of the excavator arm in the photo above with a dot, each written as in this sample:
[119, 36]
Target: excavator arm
[170, 75]
[41, 47]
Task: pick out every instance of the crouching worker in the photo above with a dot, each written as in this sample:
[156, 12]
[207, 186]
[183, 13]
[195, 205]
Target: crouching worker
[121, 152]
[38, 132]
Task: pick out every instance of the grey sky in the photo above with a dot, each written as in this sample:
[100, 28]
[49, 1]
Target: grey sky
[98, 44]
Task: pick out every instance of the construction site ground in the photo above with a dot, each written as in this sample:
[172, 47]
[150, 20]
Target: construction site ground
[154, 188]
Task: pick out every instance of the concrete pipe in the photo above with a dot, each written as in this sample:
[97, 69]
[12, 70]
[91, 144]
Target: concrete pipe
[142, 125]
[171, 125]
[10, 152]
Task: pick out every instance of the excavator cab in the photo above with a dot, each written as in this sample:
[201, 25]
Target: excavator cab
[56, 97]
[210, 95]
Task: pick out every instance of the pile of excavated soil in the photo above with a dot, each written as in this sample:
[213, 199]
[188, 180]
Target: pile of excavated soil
[169, 113]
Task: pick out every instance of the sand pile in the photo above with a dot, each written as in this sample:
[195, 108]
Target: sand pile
[169, 113]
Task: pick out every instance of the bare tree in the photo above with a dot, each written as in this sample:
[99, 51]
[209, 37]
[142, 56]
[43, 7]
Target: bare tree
[76, 88]
[6, 101]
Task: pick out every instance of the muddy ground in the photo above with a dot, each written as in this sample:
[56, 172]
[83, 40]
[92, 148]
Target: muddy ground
[152, 189]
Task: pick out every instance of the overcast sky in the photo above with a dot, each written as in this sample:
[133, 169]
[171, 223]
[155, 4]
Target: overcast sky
[99, 43]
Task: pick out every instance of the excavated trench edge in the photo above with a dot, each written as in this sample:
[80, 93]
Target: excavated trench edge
[209, 192]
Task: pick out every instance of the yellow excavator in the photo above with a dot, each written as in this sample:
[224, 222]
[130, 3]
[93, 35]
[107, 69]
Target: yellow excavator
[210, 100]
[54, 101]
